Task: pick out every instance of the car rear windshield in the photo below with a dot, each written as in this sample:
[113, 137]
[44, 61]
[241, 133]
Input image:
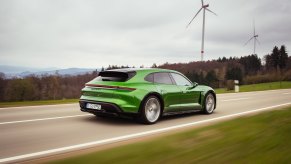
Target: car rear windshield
[115, 76]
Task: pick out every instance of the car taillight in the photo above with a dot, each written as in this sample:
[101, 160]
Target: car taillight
[110, 87]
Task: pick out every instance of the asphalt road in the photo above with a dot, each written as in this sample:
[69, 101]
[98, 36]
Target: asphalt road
[33, 132]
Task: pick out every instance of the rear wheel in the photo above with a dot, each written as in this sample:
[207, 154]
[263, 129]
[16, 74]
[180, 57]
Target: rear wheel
[209, 103]
[151, 110]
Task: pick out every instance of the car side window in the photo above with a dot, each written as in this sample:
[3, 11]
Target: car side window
[180, 80]
[149, 78]
[162, 78]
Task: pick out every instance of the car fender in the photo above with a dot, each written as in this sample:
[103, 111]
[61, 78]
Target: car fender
[203, 95]
[150, 94]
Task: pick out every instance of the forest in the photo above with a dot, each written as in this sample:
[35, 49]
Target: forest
[250, 69]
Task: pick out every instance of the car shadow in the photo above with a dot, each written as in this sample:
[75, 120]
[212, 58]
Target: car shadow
[119, 121]
[122, 121]
[180, 116]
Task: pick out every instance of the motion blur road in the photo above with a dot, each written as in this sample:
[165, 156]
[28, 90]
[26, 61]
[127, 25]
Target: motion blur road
[33, 132]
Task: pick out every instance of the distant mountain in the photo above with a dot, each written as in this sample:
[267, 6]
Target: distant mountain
[68, 71]
[20, 72]
[7, 69]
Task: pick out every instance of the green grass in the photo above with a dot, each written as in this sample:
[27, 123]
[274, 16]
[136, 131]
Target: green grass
[263, 138]
[259, 87]
[34, 103]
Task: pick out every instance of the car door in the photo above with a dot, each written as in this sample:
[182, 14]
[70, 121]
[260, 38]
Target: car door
[169, 91]
[189, 96]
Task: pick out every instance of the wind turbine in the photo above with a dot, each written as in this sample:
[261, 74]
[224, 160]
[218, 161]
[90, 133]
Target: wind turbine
[255, 38]
[204, 8]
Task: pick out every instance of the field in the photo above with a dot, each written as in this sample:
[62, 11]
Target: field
[262, 138]
[259, 87]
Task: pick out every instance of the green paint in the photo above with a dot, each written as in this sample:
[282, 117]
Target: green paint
[174, 97]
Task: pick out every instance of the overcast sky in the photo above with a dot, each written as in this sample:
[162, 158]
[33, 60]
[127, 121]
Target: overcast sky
[96, 33]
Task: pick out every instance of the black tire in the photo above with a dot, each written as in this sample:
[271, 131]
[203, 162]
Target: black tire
[209, 103]
[151, 110]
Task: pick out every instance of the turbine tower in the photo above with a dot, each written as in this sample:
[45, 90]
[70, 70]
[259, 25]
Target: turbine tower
[204, 8]
[255, 38]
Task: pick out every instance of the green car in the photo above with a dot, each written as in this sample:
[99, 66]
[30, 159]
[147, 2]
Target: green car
[146, 94]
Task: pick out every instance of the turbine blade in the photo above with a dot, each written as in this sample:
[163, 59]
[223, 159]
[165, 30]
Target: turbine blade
[211, 11]
[202, 2]
[257, 40]
[248, 41]
[194, 17]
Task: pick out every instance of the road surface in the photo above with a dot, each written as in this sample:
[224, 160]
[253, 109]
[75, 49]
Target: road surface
[34, 132]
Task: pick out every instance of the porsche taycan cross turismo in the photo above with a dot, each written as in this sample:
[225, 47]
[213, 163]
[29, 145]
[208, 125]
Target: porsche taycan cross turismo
[146, 94]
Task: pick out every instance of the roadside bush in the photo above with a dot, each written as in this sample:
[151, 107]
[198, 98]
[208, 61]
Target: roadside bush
[287, 76]
[230, 85]
[262, 78]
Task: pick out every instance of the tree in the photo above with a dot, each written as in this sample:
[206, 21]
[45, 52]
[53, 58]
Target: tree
[2, 86]
[211, 79]
[19, 90]
[275, 56]
[288, 67]
[269, 62]
[95, 73]
[283, 57]
[278, 58]
[252, 64]
[234, 73]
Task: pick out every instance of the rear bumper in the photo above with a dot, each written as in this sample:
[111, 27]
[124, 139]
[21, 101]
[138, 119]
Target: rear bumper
[109, 109]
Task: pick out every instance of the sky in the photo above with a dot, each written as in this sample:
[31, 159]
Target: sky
[96, 33]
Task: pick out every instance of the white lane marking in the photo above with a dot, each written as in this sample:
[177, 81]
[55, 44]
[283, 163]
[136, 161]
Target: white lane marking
[43, 119]
[245, 98]
[37, 106]
[33, 120]
[54, 118]
[132, 136]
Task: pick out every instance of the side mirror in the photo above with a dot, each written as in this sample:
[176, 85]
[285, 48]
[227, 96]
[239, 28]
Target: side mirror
[193, 86]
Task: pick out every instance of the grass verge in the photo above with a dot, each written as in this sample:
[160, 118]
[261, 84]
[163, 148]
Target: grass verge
[35, 103]
[259, 87]
[262, 138]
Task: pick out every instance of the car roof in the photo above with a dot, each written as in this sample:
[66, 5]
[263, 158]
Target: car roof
[141, 70]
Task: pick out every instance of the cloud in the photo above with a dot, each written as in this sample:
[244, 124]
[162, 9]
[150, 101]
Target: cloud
[96, 33]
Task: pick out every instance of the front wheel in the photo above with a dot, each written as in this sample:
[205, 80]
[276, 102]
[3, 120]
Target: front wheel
[209, 103]
[151, 110]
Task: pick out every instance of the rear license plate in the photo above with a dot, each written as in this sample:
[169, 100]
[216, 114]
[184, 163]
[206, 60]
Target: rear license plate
[93, 106]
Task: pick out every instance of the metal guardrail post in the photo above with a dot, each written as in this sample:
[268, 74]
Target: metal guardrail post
[236, 86]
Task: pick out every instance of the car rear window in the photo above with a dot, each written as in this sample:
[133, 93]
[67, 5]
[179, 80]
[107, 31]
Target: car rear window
[115, 76]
